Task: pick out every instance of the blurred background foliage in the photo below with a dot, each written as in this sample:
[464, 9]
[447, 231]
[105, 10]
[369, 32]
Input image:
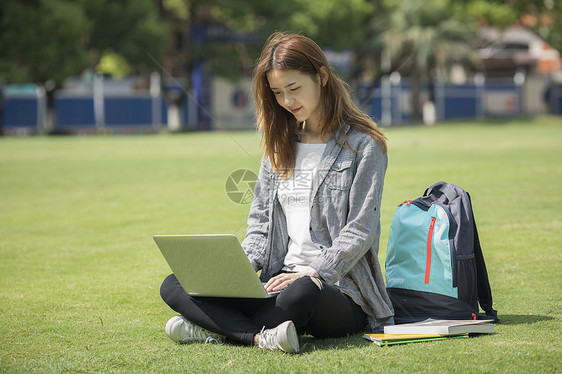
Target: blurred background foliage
[51, 40]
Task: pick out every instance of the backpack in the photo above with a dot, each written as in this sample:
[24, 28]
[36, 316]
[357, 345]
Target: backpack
[434, 262]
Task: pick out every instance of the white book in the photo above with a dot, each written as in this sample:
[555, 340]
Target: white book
[443, 327]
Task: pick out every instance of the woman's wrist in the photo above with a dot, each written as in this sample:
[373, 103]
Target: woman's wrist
[311, 272]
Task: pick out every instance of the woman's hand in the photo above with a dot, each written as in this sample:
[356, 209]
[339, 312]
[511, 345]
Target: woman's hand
[279, 282]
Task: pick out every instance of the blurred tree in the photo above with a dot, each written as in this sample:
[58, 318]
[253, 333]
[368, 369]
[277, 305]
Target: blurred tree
[128, 31]
[542, 16]
[43, 42]
[114, 65]
[228, 35]
[213, 31]
[47, 41]
[331, 23]
[484, 12]
[426, 38]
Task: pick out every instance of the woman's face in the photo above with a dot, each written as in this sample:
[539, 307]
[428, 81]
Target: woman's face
[298, 93]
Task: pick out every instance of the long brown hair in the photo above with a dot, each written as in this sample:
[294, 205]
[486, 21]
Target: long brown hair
[278, 127]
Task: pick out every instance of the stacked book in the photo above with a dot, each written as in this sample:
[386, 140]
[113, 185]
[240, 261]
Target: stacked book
[430, 329]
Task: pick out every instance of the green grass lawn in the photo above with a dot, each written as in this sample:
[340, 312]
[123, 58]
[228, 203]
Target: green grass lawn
[80, 274]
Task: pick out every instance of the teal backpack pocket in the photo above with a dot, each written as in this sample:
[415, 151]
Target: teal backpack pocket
[419, 255]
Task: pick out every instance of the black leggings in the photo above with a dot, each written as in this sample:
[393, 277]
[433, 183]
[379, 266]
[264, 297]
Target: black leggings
[315, 308]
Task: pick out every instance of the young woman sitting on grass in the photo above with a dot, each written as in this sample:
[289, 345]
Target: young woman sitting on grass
[314, 223]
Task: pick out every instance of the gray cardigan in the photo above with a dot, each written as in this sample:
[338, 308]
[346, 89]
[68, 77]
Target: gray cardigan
[344, 224]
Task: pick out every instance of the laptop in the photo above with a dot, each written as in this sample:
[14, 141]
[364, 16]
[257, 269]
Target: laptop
[211, 265]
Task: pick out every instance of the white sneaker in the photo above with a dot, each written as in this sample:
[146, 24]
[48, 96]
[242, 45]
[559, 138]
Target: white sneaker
[283, 337]
[183, 331]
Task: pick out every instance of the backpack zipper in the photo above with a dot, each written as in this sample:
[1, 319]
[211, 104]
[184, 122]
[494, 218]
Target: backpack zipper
[429, 242]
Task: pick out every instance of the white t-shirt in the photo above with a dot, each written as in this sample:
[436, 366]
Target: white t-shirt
[294, 196]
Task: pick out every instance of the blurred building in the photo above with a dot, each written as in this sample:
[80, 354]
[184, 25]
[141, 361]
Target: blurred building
[518, 53]
[517, 49]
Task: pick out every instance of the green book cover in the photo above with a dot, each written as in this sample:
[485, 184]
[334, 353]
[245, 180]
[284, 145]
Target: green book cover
[392, 339]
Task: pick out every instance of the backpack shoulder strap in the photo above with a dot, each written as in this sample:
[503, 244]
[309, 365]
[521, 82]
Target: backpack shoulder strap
[483, 283]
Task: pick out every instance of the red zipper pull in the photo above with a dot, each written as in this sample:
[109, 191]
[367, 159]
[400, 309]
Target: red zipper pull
[407, 202]
[429, 244]
[474, 316]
